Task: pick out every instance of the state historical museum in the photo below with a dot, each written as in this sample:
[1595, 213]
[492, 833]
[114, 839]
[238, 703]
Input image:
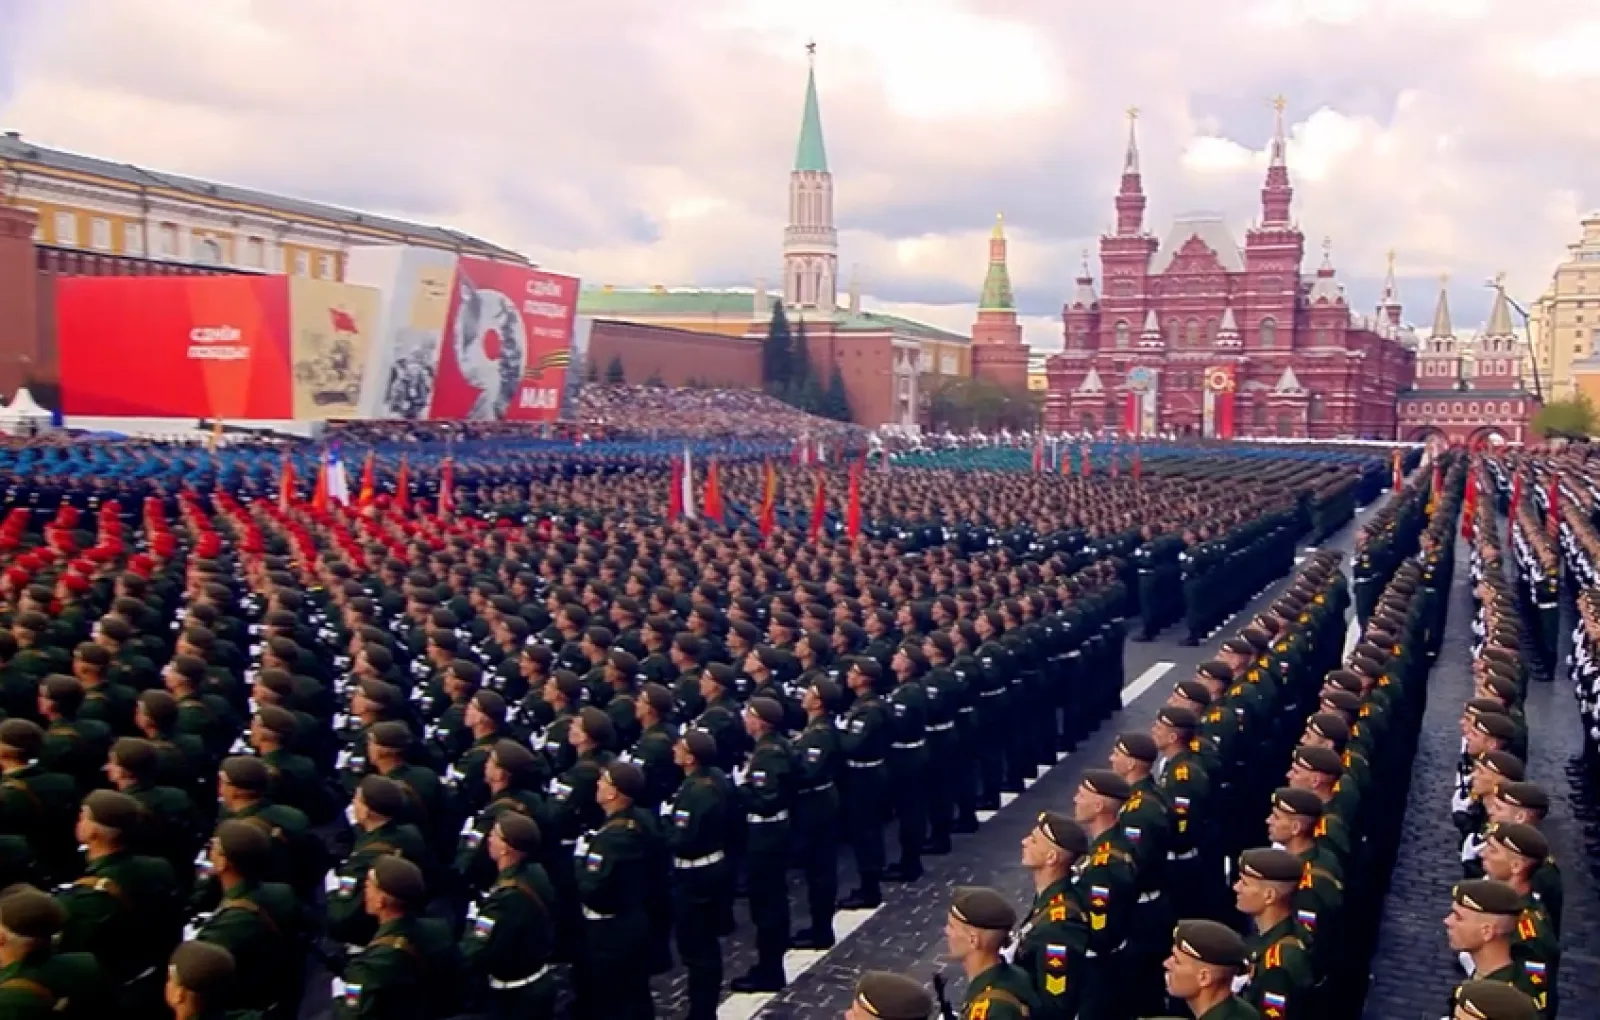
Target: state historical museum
[1194, 335]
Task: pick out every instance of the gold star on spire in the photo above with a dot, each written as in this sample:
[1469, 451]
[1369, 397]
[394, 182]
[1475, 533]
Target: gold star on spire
[1133, 113]
[1279, 103]
[811, 50]
[1389, 259]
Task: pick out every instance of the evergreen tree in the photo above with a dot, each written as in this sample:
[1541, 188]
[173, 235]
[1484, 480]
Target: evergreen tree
[836, 401]
[593, 375]
[615, 374]
[803, 389]
[655, 381]
[777, 354]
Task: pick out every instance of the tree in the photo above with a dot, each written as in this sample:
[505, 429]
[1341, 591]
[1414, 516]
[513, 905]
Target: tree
[836, 401]
[616, 375]
[959, 403]
[593, 375]
[1574, 417]
[655, 381]
[777, 354]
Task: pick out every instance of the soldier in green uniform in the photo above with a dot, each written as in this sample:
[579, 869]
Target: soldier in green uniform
[864, 741]
[975, 931]
[509, 937]
[1528, 803]
[1481, 924]
[1052, 940]
[1206, 958]
[37, 804]
[36, 982]
[1193, 870]
[1146, 824]
[652, 751]
[380, 808]
[1492, 1000]
[170, 828]
[1108, 885]
[387, 979]
[1511, 854]
[615, 868]
[257, 921]
[881, 995]
[815, 822]
[124, 907]
[1279, 979]
[698, 820]
[766, 794]
[1319, 897]
[199, 979]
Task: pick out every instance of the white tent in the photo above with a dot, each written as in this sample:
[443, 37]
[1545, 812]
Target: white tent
[24, 415]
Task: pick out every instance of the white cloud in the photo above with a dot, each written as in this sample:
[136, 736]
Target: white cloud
[637, 142]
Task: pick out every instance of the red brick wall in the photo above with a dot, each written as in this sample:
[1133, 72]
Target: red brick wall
[676, 355]
[19, 300]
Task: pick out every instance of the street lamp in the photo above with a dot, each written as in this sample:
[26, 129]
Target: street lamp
[1499, 287]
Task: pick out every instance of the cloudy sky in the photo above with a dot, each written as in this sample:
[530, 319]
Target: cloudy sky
[640, 142]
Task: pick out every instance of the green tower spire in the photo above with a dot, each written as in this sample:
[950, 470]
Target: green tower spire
[997, 284]
[811, 155]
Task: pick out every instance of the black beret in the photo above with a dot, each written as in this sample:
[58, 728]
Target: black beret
[1216, 670]
[1323, 760]
[280, 720]
[1269, 864]
[1344, 680]
[1193, 690]
[597, 725]
[1107, 783]
[1503, 687]
[658, 698]
[30, 913]
[1521, 839]
[868, 668]
[700, 744]
[568, 684]
[982, 907]
[245, 846]
[1239, 646]
[382, 693]
[1295, 801]
[1524, 795]
[519, 831]
[113, 810]
[399, 878]
[1177, 718]
[767, 710]
[627, 778]
[1138, 746]
[1495, 725]
[1343, 701]
[1487, 896]
[247, 773]
[204, 968]
[491, 704]
[279, 681]
[828, 692]
[1209, 942]
[23, 736]
[1330, 725]
[467, 672]
[512, 756]
[892, 997]
[720, 673]
[1494, 1000]
[1502, 763]
[383, 796]
[394, 735]
[1064, 833]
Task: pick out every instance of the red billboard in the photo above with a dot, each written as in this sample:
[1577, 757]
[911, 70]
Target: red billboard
[507, 343]
[212, 346]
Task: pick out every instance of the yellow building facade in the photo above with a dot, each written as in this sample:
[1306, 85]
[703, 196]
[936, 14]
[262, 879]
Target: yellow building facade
[1565, 320]
[99, 206]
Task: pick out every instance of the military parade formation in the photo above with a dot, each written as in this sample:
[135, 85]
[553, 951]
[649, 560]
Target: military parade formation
[519, 727]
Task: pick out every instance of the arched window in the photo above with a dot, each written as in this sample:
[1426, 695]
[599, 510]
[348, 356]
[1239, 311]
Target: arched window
[1087, 422]
[1322, 336]
[1258, 415]
[1269, 333]
[208, 253]
[1285, 424]
[1192, 332]
[1173, 337]
[1211, 332]
[1314, 407]
[1122, 332]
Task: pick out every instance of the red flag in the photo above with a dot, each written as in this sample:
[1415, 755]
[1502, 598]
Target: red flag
[1038, 455]
[675, 491]
[343, 321]
[1116, 466]
[1436, 484]
[447, 486]
[1552, 520]
[1088, 466]
[769, 499]
[1399, 472]
[369, 483]
[852, 516]
[402, 487]
[1138, 466]
[713, 496]
[286, 484]
[1469, 504]
[319, 495]
[1516, 493]
[819, 510]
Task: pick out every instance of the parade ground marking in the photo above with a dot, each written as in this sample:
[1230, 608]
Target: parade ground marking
[744, 1006]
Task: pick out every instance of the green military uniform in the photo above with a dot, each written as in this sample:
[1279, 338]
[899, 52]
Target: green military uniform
[1280, 976]
[697, 823]
[615, 870]
[508, 941]
[45, 984]
[1050, 947]
[1108, 885]
[1003, 992]
[767, 795]
[124, 911]
[348, 920]
[257, 923]
[385, 980]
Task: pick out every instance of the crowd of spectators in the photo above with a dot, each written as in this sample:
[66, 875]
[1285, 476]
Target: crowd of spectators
[656, 412]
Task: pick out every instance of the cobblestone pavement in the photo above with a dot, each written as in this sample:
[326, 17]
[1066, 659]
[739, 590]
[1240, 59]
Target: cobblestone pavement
[1413, 971]
[906, 934]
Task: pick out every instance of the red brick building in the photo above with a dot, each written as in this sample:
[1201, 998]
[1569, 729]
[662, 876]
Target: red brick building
[677, 357]
[998, 353]
[1197, 335]
[1469, 393]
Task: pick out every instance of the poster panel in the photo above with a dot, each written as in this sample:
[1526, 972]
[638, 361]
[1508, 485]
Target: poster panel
[177, 346]
[331, 330]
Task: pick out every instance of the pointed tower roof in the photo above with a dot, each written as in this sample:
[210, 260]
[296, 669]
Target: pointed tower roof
[1152, 325]
[1091, 382]
[1084, 296]
[811, 155]
[1288, 382]
[997, 284]
[1500, 312]
[1391, 291]
[1130, 159]
[1279, 154]
[1441, 311]
[1229, 327]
